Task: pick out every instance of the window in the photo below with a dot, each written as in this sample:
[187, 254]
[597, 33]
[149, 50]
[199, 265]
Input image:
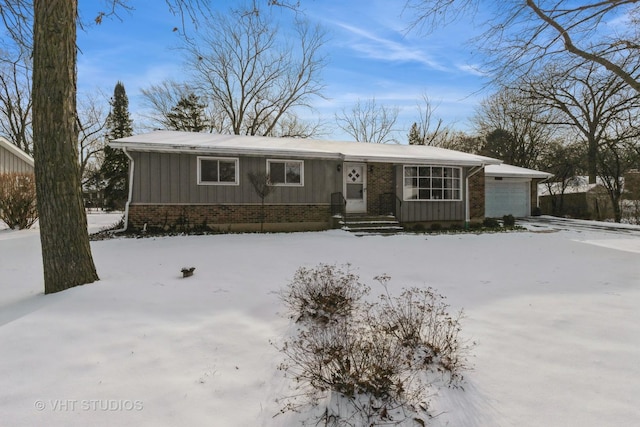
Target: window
[432, 183]
[286, 172]
[217, 171]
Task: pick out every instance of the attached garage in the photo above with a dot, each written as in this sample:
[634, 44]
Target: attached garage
[508, 190]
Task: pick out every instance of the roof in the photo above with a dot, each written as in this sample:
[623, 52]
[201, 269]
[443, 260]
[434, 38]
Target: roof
[4, 143]
[207, 143]
[509, 171]
[576, 184]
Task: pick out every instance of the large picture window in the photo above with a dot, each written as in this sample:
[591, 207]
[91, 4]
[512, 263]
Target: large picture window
[217, 171]
[286, 172]
[432, 183]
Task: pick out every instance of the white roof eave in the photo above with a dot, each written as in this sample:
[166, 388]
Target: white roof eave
[16, 151]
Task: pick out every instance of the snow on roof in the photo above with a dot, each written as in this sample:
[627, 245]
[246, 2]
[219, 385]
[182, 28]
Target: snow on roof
[576, 184]
[206, 143]
[510, 171]
[4, 143]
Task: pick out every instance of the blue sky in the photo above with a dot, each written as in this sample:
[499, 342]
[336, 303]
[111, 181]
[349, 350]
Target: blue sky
[370, 54]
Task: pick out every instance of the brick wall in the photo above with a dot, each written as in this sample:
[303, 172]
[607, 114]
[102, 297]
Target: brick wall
[380, 180]
[476, 196]
[233, 217]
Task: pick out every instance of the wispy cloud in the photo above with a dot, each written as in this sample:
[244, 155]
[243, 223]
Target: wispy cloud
[376, 47]
[473, 69]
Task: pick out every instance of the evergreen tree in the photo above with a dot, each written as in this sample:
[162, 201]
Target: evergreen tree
[188, 115]
[115, 168]
[414, 135]
[501, 144]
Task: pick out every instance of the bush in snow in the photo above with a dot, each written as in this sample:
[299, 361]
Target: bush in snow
[18, 200]
[367, 363]
[323, 293]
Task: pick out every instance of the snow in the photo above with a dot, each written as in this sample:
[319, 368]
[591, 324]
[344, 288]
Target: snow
[554, 315]
[223, 144]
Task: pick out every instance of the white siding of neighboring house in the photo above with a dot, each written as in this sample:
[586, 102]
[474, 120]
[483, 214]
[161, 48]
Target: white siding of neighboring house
[12, 159]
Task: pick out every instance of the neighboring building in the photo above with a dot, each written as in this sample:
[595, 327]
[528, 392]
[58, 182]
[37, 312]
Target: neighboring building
[578, 199]
[13, 159]
[511, 190]
[182, 180]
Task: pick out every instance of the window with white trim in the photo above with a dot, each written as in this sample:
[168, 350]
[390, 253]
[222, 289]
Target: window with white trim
[432, 183]
[217, 171]
[286, 172]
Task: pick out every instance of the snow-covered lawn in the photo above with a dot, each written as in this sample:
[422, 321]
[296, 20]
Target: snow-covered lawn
[555, 317]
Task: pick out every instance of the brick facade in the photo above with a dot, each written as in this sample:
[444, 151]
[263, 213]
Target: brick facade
[380, 180]
[476, 196]
[228, 217]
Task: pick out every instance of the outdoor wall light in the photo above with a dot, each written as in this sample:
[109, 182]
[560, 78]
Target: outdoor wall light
[370, 168]
[339, 167]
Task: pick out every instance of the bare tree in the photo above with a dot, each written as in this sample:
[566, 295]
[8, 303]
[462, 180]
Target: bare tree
[527, 34]
[92, 119]
[427, 130]
[292, 126]
[254, 73]
[262, 186]
[16, 101]
[514, 128]
[565, 161]
[619, 155]
[589, 101]
[369, 121]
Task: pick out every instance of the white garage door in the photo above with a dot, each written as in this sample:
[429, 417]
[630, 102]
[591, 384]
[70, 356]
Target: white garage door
[504, 197]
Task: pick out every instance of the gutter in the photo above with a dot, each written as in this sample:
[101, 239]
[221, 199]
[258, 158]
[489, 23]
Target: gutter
[126, 206]
[467, 209]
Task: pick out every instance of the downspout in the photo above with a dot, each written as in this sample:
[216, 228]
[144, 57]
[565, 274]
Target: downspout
[467, 208]
[126, 206]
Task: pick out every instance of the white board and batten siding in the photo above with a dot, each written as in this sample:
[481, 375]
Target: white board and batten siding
[13, 159]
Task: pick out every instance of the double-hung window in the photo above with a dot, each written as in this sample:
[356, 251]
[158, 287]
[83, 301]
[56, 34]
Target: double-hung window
[217, 171]
[432, 183]
[286, 172]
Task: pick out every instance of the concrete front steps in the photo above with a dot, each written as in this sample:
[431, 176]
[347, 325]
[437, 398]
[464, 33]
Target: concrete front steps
[366, 225]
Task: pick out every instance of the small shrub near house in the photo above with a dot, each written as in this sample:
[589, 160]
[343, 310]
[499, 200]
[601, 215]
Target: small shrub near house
[367, 363]
[490, 223]
[508, 220]
[18, 200]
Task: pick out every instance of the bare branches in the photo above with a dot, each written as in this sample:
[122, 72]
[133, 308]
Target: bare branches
[428, 130]
[589, 56]
[369, 122]
[92, 120]
[15, 103]
[17, 17]
[251, 75]
[524, 36]
[515, 129]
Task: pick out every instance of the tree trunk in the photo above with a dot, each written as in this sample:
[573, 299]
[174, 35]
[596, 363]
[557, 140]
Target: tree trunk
[66, 254]
[592, 160]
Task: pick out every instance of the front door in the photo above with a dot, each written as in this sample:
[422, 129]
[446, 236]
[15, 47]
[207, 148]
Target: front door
[355, 187]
